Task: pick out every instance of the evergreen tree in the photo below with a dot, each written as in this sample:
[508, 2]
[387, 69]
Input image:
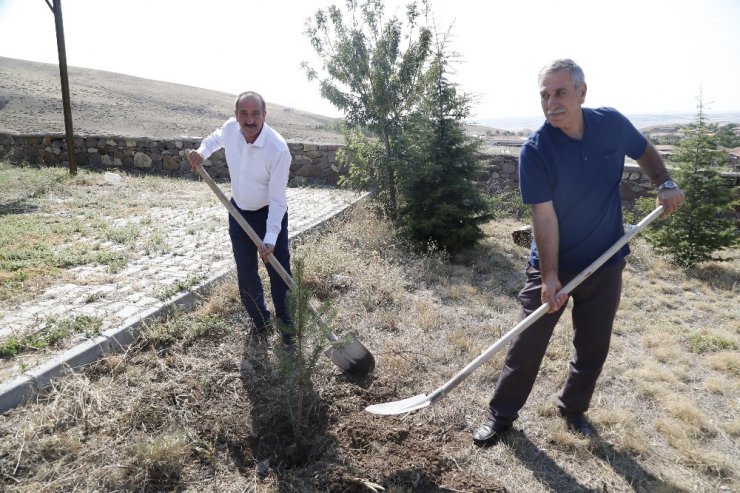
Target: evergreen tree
[440, 202]
[298, 366]
[705, 223]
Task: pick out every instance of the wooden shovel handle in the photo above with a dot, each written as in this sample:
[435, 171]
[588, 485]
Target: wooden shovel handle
[543, 309]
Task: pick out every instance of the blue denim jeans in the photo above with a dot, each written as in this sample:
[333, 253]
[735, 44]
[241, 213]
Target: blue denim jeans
[247, 258]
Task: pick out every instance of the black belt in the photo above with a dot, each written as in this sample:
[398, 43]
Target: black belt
[262, 209]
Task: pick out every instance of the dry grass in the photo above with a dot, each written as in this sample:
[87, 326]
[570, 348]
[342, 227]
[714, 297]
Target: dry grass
[174, 412]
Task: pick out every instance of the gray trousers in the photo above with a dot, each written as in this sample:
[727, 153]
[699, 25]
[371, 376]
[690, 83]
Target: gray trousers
[595, 303]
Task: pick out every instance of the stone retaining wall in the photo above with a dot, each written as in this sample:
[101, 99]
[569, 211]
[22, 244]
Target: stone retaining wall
[504, 171]
[312, 163]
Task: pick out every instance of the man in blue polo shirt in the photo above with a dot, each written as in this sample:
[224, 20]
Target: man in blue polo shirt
[570, 172]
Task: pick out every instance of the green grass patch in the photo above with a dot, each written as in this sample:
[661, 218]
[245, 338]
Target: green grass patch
[156, 243]
[90, 326]
[51, 221]
[21, 264]
[178, 286]
[93, 297]
[125, 235]
[707, 343]
[52, 334]
[19, 183]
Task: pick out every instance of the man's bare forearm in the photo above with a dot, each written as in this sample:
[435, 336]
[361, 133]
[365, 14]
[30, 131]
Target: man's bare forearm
[547, 238]
[652, 164]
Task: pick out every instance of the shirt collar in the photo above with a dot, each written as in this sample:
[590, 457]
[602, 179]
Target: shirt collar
[559, 137]
[261, 138]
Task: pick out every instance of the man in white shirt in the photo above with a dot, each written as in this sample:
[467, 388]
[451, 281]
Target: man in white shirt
[259, 164]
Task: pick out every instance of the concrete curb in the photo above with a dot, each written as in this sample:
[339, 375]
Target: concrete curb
[16, 391]
[20, 389]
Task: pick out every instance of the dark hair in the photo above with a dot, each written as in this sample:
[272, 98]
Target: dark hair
[576, 72]
[247, 94]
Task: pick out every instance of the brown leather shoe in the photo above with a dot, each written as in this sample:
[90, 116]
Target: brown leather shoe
[490, 432]
[579, 424]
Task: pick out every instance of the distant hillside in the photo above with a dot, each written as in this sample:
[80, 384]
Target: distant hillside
[117, 104]
[641, 121]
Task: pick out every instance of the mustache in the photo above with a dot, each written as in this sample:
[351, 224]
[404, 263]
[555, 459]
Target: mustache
[556, 111]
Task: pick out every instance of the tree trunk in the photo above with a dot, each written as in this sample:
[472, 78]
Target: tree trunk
[391, 175]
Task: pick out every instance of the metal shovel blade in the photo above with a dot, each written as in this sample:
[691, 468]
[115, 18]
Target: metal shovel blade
[351, 356]
[400, 407]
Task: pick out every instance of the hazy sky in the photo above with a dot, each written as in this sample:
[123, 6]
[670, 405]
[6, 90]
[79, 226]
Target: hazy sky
[640, 56]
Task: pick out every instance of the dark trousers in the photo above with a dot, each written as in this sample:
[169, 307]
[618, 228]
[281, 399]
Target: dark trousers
[247, 257]
[595, 303]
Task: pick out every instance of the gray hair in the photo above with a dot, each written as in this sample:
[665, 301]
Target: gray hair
[576, 72]
[248, 94]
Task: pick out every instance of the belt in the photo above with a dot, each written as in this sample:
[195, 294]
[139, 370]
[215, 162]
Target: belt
[247, 211]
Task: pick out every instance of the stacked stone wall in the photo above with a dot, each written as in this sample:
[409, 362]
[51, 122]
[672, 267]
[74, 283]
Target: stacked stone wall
[503, 171]
[313, 164]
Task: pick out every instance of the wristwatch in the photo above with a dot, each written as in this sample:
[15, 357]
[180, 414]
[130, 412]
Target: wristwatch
[668, 184]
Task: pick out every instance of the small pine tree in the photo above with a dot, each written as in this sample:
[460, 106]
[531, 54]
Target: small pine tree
[705, 223]
[440, 202]
[310, 341]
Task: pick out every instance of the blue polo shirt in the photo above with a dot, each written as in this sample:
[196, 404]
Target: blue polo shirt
[582, 179]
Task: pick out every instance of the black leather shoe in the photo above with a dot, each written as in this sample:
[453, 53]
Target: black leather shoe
[288, 343]
[262, 329]
[289, 348]
[490, 432]
[579, 424]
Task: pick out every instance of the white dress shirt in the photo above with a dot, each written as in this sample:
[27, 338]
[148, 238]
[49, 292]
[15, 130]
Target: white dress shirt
[259, 171]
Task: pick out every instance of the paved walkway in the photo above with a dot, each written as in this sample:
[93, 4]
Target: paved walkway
[190, 251]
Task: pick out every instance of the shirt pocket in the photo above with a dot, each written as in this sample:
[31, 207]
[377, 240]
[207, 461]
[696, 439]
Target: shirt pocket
[611, 163]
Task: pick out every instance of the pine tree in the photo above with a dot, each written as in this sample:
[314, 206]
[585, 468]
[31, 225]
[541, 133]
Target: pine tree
[298, 366]
[705, 223]
[440, 202]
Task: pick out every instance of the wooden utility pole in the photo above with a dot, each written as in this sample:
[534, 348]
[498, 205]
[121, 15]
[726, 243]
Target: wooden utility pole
[56, 9]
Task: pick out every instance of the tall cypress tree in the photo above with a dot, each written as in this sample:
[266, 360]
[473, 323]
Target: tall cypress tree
[705, 223]
[440, 202]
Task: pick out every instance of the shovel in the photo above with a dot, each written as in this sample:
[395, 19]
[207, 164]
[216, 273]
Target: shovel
[347, 353]
[423, 400]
